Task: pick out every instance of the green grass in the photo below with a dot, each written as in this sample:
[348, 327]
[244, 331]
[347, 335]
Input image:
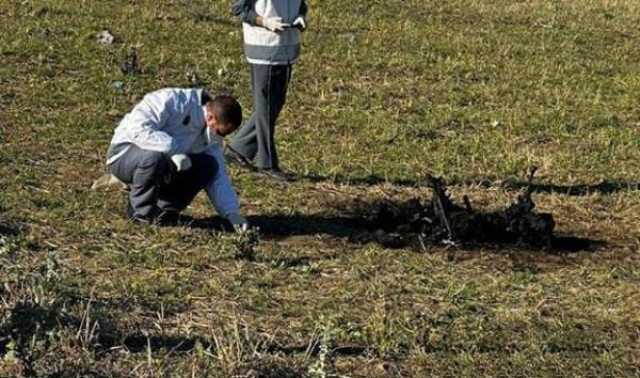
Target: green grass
[385, 92]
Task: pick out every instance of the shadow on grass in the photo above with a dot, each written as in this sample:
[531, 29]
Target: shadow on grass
[215, 223]
[25, 322]
[11, 228]
[560, 246]
[361, 180]
[8, 231]
[280, 227]
[605, 187]
[139, 343]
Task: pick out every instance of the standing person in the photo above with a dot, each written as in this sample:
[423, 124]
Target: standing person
[169, 147]
[271, 30]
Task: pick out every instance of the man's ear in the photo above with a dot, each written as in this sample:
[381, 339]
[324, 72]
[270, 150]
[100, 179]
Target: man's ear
[211, 119]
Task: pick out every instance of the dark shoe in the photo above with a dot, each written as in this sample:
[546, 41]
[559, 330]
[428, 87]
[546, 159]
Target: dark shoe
[234, 157]
[136, 218]
[276, 174]
[163, 218]
[167, 218]
[143, 221]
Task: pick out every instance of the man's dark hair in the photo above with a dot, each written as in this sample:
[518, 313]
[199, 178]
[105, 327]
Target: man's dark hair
[227, 110]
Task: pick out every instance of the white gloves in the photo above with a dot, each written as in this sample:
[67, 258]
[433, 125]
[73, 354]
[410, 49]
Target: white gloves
[300, 23]
[181, 161]
[240, 223]
[274, 24]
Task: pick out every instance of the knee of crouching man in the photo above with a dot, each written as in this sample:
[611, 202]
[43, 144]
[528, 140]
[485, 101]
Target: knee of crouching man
[155, 161]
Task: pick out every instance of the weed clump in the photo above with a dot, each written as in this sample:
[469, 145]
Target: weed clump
[130, 66]
[242, 245]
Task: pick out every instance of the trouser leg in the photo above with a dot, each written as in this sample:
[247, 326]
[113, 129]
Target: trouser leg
[182, 188]
[255, 140]
[244, 141]
[143, 171]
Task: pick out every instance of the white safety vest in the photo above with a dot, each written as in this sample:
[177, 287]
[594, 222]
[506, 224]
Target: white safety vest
[262, 46]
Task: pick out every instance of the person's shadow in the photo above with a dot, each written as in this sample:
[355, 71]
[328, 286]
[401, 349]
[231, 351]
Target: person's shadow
[279, 227]
[604, 187]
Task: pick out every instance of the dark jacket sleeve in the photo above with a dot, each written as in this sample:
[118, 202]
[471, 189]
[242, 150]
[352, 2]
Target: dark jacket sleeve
[303, 8]
[246, 10]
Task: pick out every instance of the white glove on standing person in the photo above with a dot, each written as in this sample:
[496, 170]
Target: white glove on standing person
[181, 161]
[274, 24]
[240, 223]
[300, 23]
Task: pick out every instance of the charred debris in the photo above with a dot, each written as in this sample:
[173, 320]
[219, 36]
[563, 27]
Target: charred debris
[441, 221]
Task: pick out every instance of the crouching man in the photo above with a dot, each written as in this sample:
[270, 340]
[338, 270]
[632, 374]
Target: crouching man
[169, 147]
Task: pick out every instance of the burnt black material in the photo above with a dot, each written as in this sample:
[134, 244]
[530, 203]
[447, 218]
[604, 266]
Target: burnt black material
[441, 221]
[130, 65]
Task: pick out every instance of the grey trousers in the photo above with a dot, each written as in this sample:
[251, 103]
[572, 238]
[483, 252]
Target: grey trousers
[255, 139]
[155, 186]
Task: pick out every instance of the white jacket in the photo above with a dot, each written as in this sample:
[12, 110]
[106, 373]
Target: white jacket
[263, 46]
[172, 121]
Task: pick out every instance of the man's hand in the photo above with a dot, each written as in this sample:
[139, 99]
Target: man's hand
[240, 223]
[300, 23]
[274, 24]
[181, 161]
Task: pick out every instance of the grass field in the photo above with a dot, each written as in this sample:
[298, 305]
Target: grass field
[386, 92]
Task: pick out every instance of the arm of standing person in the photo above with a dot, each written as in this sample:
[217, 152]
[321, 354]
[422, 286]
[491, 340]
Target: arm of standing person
[304, 9]
[246, 10]
[301, 21]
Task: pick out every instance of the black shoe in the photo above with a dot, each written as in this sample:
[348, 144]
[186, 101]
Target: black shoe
[161, 218]
[276, 174]
[167, 218]
[136, 218]
[143, 221]
[234, 157]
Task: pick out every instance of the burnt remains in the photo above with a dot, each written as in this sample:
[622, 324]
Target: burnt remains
[130, 66]
[441, 221]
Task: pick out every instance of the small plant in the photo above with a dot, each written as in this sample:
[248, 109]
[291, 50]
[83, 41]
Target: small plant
[4, 248]
[8, 245]
[244, 244]
[236, 345]
[324, 366]
[87, 333]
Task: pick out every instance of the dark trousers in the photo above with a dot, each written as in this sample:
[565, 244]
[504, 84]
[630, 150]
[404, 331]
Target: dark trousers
[255, 139]
[155, 186]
